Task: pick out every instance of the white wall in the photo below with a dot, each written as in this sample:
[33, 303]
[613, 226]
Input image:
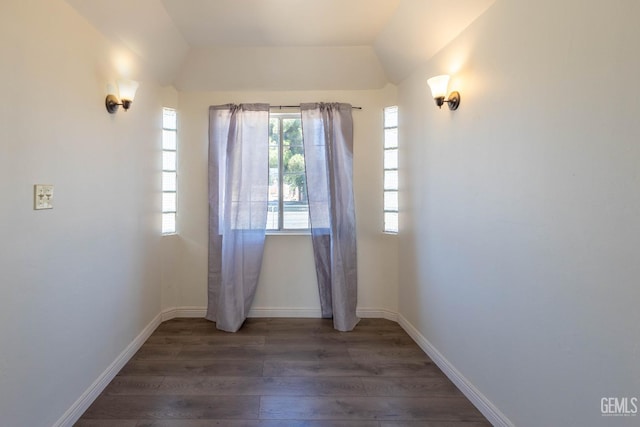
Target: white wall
[261, 68]
[77, 283]
[288, 277]
[520, 231]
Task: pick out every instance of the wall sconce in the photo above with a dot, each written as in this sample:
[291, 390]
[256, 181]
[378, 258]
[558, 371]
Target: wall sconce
[127, 90]
[439, 86]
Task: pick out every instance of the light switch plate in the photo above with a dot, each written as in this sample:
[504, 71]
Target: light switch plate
[42, 196]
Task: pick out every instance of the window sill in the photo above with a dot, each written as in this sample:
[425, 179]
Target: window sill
[288, 233]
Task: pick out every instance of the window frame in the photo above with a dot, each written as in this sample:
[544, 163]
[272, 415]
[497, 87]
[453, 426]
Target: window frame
[164, 211]
[281, 230]
[385, 168]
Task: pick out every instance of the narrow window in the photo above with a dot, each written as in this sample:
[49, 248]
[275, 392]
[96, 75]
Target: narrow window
[169, 170]
[390, 166]
[288, 203]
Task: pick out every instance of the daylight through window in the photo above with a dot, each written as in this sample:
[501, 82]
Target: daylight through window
[390, 165]
[288, 204]
[169, 170]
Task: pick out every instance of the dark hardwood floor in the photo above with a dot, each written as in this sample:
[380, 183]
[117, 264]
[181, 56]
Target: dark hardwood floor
[281, 372]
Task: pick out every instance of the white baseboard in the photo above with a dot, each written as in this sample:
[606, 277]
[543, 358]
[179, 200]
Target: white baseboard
[480, 401]
[174, 312]
[195, 311]
[86, 399]
[376, 313]
[284, 312]
[171, 313]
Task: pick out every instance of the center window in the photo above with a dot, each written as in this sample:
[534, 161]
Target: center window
[288, 202]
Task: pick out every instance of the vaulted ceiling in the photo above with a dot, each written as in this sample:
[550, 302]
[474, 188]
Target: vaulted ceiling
[280, 44]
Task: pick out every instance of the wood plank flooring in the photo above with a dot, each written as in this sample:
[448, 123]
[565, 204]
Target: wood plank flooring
[281, 372]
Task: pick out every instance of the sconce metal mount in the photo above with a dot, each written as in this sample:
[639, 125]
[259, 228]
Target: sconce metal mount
[112, 104]
[453, 100]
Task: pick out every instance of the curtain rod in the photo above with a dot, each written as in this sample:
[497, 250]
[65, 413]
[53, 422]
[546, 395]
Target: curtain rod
[297, 106]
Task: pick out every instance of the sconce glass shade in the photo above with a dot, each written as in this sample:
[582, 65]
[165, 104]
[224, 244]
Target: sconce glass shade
[439, 85]
[127, 89]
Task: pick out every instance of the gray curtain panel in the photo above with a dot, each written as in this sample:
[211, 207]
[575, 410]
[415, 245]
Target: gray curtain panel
[238, 192]
[328, 150]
